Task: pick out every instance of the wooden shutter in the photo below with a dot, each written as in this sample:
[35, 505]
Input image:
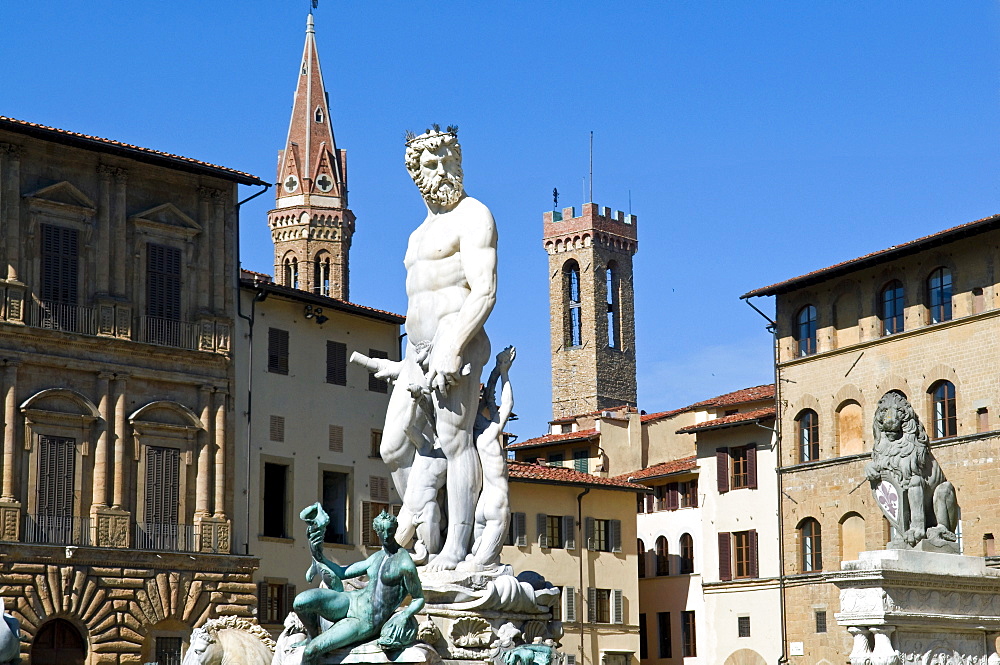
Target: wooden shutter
[722, 469]
[378, 487]
[569, 532]
[377, 385]
[615, 527]
[694, 493]
[262, 600]
[541, 523]
[650, 502]
[569, 604]
[366, 524]
[673, 502]
[60, 259]
[277, 351]
[56, 472]
[617, 606]
[162, 485]
[163, 282]
[752, 467]
[589, 531]
[289, 599]
[277, 429]
[336, 439]
[520, 530]
[725, 556]
[336, 363]
[592, 604]
[753, 553]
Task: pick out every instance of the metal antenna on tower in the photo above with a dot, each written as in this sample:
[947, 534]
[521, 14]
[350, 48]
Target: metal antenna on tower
[314, 4]
[555, 198]
[591, 167]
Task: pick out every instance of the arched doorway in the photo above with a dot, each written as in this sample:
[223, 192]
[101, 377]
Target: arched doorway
[58, 642]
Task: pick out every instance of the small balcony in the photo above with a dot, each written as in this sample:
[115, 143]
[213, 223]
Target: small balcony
[165, 537]
[52, 315]
[56, 530]
[167, 332]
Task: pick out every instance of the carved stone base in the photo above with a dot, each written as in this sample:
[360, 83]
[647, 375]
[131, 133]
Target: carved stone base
[910, 606]
[418, 654]
[10, 521]
[213, 534]
[110, 527]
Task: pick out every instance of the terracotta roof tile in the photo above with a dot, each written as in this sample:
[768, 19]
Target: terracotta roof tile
[652, 417]
[739, 396]
[324, 301]
[662, 469]
[730, 421]
[126, 149]
[894, 252]
[561, 474]
[612, 409]
[554, 438]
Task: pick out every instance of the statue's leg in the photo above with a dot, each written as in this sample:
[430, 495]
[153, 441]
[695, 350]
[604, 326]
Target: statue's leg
[397, 449]
[420, 500]
[917, 527]
[312, 604]
[946, 506]
[341, 634]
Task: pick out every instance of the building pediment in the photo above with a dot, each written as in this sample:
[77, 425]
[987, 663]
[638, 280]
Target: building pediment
[167, 217]
[63, 195]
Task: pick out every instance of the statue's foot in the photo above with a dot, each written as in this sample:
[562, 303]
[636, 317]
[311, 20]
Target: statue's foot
[442, 562]
[913, 536]
[939, 533]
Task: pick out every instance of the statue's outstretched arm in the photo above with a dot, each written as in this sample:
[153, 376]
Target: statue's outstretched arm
[416, 591]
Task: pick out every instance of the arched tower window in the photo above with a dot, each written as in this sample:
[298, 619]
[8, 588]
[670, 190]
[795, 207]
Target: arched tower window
[808, 426]
[939, 295]
[319, 114]
[662, 557]
[805, 330]
[614, 328]
[571, 294]
[811, 541]
[943, 402]
[321, 274]
[687, 554]
[891, 307]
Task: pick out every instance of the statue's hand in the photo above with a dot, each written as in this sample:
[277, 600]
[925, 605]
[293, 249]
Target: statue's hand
[872, 473]
[506, 358]
[443, 371]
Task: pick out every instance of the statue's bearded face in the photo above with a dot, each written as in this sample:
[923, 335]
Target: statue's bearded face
[439, 176]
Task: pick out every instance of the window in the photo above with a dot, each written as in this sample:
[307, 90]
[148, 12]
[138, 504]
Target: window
[378, 489]
[808, 425]
[277, 351]
[277, 429]
[982, 420]
[943, 401]
[517, 531]
[581, 460]
[375, 443]
[641, 549]
[571, 293]
[743, 626]
[321, 274]
[745, 553]
[811, 541]
[689, 494]
[599, 539]
[162, 498]
[739, 459]
[369, 511]
[553, 531]
[989, 545]
[820, 621]
[643, 637]
[687, 554]
[662, 557]
[275, 497]
[978, 300]
[605, 605]
[556, 459]
[891, 307]
[939, 295]
[168, 650]
[336, 363]
[291, 265]
[335, 497]
[377, 385]
[736, 468]
[336, 439]
[275, 601]
[54, 494]
[163, 282]
[805, 331]
[60, 261]
[603, 535]
[611, 287]
[663, 632]
[689, 640]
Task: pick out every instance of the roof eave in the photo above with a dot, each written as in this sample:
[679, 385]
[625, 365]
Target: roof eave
[641, 489]
[316, 299]
[738, 423]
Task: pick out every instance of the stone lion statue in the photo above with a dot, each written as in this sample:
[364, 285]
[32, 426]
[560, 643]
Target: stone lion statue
[901, 453]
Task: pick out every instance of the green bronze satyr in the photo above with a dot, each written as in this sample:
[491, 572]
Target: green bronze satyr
[360, 616]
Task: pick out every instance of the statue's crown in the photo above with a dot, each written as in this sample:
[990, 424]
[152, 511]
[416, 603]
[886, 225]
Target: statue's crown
[436, 128]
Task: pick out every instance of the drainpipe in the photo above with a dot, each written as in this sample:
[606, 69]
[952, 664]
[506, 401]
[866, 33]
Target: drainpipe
[259, 296]
[580, 548]
[772, 328]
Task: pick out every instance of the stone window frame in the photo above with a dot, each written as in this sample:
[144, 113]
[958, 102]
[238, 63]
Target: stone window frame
[810, 545]
[289, 464]
[813, 438]
[81, 216]
[897, 315]
[351, 535]
[942, 409]
[946, 307]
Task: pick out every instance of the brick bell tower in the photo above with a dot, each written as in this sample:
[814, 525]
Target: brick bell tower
[592, 313]
[311, 225]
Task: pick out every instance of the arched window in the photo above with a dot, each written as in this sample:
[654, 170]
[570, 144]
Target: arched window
[641, 549]
[662, 557]
[939, 295]
[612, 285]
[850, 429]
[571, 295]
[291, 270]
[321, 274]
[943, 403]
[852, 537]
[808, 426]
[805, 330]
[319, 114]
[811, 540]
[891, 307]
[687, 554]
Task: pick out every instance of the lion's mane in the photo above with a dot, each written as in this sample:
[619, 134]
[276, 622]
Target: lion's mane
[903, 456]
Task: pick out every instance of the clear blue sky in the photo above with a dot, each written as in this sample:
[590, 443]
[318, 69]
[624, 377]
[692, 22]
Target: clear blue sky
[759, 140]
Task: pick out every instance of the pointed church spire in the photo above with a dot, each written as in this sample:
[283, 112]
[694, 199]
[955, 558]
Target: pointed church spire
[311, 224]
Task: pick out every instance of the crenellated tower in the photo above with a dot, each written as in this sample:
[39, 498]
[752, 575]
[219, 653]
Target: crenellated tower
[592, 314]
[311, 225]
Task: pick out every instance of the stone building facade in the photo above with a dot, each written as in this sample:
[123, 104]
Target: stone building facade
[591, 315]
[116, 324]
[920, 318]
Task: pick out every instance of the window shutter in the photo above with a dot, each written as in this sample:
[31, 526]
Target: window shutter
[377, 385]
[673, 502]
[289, 599]
[262, 601]
[378, 487]
[694, 493]
[725, 556]
[722, 469]
[277, 351]
[277, 429]
[336, 438]
[592, 604]
[541, 523]
[569, 604]
[366, 523]
[616, 535]
[589, 530]
[753, 553]
[752, 466]
[336, 363]
[520, 530]
[650, 502]
[569, 532]
[617, 607]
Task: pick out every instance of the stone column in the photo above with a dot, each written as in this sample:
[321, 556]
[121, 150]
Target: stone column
[10, 428]
[204, 443]
[119, 439]
[883, 652]
[862, 649]
[219, 249]
[10, 180]
[204, 244]
[122, 256]
[220, 453]
[104, 229]
[101, 453]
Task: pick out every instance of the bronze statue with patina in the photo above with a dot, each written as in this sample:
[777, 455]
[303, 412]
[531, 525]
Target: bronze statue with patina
[361, 615]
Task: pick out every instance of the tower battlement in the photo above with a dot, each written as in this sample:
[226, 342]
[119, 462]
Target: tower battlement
[596, 224]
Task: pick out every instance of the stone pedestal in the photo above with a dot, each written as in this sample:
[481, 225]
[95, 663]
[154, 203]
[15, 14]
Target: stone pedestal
[10, 521]
[213, 534]
[111, 527]
[911, 606]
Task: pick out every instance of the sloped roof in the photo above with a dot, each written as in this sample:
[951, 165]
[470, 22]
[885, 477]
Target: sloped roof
[554, 438]
[730, 421]
[610, 409]
[558, 475]
[895, 252]
[322, 301]
[662, 469]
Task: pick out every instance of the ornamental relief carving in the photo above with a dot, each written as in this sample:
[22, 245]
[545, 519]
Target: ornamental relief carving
[865, 601]
[941, 649]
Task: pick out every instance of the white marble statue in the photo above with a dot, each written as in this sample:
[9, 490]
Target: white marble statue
[451, 279]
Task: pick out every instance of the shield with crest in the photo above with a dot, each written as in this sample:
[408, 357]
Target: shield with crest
[892, 501]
